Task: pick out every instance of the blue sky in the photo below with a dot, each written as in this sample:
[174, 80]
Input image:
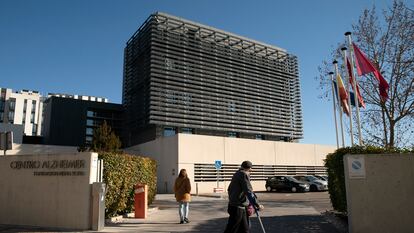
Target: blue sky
[76, 46]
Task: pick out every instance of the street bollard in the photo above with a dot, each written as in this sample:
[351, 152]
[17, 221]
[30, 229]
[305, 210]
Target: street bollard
[141, 201]
[98, 206]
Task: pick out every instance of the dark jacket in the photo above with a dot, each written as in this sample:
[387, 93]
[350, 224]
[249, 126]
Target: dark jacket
[239, 189]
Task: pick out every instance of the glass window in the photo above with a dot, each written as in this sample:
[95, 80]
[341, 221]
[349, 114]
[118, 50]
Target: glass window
[232, 106]
[34, 106]
[90, 114]
[34, 129]
[2, 103]
[12, 104]
[89, 122]
[88, 139]
[1, 116]
[169, 131]
[187, 130]
[232, 134]
[259, 136]
[32, 117]
[25, 106]
[89, 131]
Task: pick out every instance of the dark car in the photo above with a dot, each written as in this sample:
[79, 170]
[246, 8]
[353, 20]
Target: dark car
[285, 183]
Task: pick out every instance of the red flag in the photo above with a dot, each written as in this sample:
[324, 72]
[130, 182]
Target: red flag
[365, 66]
[351, 79]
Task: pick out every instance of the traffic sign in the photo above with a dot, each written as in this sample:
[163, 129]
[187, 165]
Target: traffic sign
[217, 164]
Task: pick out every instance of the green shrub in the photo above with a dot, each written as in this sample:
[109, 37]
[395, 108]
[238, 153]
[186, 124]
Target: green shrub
[121, 173]
[334, 163]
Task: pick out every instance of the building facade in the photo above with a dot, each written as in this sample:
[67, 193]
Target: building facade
[185, 77]
[22, 108]
[70, 120]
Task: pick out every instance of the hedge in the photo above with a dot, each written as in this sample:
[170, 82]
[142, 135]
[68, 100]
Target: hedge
[121, 173]
[334, 163]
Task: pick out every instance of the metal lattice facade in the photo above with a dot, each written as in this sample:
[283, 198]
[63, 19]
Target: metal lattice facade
[183, 74]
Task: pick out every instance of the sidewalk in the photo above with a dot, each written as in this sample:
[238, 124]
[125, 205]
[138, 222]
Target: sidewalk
[209, 214]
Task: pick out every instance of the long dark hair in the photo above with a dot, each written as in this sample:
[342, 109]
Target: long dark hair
[183, 173]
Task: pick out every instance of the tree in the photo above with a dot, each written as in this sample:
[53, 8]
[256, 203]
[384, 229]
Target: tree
[105, 140]
[389, 43]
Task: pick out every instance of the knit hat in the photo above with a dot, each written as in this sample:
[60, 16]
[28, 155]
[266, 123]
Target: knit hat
[246, 164]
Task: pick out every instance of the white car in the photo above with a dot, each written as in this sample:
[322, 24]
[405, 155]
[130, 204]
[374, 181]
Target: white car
[315, 183]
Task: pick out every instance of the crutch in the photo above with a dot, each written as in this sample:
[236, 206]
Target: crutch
[260, 220]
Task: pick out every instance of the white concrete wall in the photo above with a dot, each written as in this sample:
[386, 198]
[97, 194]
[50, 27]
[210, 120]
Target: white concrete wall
[165, 152]
[62, 201]
[382, 201]
[184, 150]
[207, 149]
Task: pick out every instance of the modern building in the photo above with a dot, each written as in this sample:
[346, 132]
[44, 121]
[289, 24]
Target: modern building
[22, 108]
[185, 77]
[70, 120]
[194, 95]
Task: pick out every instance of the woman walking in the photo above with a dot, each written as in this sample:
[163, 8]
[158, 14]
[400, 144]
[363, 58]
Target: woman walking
[182, 189]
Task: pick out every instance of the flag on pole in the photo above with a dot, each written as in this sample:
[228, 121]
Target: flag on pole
[365, 66]
[350, 93]
[351, 79]
[343, 95]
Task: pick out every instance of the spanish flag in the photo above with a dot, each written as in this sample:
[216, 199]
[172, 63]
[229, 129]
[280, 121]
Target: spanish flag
[343, 95]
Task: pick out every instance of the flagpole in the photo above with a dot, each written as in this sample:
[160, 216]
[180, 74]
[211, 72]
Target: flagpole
[339, 103]
[334, 108]
[349, 92]
[351, 49]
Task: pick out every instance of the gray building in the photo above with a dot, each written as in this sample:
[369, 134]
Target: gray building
[185, 77]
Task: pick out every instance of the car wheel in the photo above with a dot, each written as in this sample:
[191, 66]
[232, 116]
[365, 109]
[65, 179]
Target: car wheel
[313, 188]
[268, 188]
[294, 189]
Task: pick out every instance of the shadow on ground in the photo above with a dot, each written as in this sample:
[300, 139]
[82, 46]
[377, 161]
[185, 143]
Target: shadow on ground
[279, 224]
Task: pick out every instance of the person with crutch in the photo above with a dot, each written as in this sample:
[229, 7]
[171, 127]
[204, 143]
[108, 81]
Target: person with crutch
[241, 194]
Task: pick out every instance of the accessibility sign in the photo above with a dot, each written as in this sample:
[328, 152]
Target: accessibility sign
[217, 164]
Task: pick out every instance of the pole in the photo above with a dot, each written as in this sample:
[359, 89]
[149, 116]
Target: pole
[348, 87]
[339, 104]
[334, 108]
[351, 49]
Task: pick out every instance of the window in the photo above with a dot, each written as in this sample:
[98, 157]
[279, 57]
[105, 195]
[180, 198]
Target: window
[11, 117]
[259, 136]
[25, 106]
[34, 129]
[169, 131]
[88, 139]
[89, 131]
[89, 122]
[90, 114]
[34, 106]
[187, 130]
[12, 104]
[32, 117]
[232, 134]
[2, 104]
[231, 106]
[1, 116]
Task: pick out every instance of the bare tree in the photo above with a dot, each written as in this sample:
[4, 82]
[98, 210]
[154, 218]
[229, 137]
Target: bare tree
[389, 43]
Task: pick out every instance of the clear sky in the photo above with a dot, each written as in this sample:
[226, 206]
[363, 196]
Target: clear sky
[76, 46]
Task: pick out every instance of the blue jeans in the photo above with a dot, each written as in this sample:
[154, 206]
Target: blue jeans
[183, 210]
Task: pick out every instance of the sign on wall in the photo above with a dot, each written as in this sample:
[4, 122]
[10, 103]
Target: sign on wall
[356, 166]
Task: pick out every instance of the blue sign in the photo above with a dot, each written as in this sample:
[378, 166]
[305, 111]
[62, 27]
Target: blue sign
[217, 164]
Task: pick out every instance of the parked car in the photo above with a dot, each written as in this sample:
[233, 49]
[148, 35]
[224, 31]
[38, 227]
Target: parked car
[285, 183]
[315, 183]
[325, 178]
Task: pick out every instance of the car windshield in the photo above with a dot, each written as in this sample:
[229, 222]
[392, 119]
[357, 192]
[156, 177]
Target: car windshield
[291, 179]
[312, 178]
